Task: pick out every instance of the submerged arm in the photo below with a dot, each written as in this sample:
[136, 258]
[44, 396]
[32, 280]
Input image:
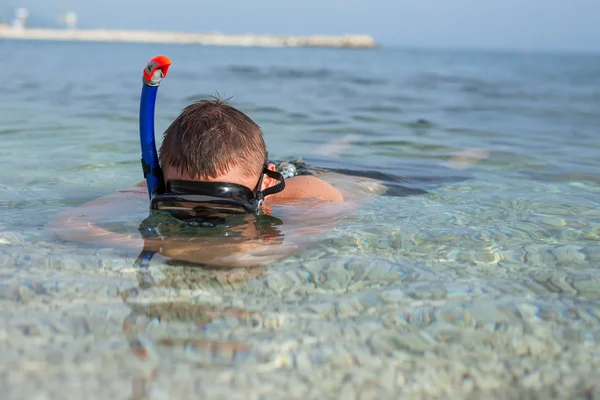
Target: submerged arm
[79, 224]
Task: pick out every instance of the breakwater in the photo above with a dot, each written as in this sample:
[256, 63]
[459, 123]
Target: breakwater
[214, 39]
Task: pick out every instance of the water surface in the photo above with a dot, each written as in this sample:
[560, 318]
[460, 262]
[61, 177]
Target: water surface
[486, 284]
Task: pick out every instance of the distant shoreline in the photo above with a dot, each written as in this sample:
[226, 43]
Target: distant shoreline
[209, 39]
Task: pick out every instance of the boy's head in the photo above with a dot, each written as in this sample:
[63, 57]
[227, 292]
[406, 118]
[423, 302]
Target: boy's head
[213, 141]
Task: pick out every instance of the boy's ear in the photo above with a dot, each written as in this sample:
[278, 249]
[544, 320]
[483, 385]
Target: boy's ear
[267, 180]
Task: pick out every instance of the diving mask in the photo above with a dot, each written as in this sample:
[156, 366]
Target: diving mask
[191, 199]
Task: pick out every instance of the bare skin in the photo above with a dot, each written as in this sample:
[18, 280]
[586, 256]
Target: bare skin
[78, 224]
[296, 188]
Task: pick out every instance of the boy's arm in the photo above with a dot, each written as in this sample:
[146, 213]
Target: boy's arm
[78, 225]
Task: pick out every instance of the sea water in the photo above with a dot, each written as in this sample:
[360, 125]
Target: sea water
[483, 283]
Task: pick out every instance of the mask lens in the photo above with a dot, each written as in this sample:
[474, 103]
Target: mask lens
[197, 208]
[191, 205]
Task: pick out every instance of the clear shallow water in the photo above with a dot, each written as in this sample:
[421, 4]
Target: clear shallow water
[485, 285]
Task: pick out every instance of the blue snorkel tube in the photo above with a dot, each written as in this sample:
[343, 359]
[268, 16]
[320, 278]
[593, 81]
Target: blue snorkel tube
[155, 71]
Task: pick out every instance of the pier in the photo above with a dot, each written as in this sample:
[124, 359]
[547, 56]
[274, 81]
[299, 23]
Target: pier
[208, 39]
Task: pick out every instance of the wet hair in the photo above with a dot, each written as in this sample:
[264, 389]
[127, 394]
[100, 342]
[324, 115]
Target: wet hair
[209, 138]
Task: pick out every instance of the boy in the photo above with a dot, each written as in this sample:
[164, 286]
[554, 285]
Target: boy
[211, 141]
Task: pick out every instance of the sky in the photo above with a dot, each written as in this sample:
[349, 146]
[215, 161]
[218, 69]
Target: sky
[524, 25]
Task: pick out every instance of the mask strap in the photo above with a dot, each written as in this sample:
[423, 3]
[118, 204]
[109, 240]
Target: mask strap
[277, 188]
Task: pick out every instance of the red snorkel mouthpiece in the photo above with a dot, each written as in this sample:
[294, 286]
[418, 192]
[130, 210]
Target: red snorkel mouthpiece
[156, 70]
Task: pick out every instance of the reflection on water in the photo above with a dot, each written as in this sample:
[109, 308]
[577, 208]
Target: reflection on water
[465, 264]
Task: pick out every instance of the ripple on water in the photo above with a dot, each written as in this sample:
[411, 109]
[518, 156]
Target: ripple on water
[452, 291]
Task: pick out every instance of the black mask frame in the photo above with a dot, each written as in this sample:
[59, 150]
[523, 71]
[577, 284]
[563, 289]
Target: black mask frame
[189, 199]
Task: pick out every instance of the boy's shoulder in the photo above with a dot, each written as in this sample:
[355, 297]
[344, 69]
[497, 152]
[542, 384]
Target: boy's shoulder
[308, 186]
[301, 182]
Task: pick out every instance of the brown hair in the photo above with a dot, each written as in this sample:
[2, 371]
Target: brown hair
[210, 137]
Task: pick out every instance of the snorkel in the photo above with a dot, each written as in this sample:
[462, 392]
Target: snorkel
[155, 71]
